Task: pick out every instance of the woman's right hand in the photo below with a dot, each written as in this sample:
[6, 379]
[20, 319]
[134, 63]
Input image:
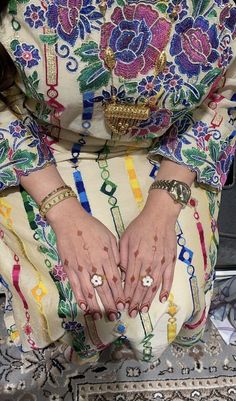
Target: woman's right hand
[86, 248]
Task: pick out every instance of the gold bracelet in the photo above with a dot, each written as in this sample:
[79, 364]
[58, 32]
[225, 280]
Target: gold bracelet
[55, 191]
[58, 197]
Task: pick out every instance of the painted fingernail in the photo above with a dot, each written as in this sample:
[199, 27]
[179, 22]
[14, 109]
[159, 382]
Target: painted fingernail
[133, 313]
[112, 316]
[83, 306]
[164, 296]
[120, 306]
[97, 316]
[144, 309]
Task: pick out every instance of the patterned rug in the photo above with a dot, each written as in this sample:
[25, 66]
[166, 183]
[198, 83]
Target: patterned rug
[205, 372]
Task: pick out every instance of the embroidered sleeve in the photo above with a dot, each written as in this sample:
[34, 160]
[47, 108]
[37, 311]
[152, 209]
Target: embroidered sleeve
[22, 148]
[205, 139]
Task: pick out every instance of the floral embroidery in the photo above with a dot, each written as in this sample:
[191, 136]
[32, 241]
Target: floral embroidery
[180, 7]
[228, 18]
[72, 19]
[158, 120]
[34, 16]
[133, 35]
[27, 55]
[17, 129]
[194, 46]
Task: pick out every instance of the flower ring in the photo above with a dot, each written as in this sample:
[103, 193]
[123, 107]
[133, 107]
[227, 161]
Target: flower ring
[147, 281]
[97, 280]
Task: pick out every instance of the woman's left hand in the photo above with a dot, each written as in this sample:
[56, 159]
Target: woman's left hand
[148, 248]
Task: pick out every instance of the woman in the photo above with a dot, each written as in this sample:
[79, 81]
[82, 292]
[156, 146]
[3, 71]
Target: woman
[118, 125]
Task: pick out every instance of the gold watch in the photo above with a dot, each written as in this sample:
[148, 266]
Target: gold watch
[178, 190]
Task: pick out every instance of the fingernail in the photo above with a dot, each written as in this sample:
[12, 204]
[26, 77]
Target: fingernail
[144, 309]
[164, 296]
[97, 316]
[133, 313]
[120, 306]
[83, 306]
[112, 316]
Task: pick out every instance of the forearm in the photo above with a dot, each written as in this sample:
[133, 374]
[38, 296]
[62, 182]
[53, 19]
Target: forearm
[40, 183]
[172, 171]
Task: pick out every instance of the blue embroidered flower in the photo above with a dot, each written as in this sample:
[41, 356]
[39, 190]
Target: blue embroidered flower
[27, 55]
[72, 19]
[34, 16]
[230, 20]
[17, 129]
[40, 221]
[179, 7]
[173, 83]
[226, 57]
[200, 129]
[194, 45]
[149, 86]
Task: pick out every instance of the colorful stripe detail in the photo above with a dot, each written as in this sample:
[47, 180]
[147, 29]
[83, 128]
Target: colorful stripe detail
[129, 164]
[81, 191]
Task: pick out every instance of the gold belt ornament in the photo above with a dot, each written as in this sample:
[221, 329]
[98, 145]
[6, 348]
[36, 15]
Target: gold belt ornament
[121, 118]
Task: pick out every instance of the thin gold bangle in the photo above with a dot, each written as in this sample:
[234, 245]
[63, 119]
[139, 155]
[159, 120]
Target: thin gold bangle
[58, 197]
[53, 193]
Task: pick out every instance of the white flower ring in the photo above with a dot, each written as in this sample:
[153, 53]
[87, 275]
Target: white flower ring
[97, 280]
[147, 281]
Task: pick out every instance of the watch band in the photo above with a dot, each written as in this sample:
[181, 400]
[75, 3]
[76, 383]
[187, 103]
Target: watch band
[178, 190]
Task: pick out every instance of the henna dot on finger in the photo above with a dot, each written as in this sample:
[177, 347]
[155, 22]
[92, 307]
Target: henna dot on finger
[148, 270]
[90, 296]
[79, 233]
[114, 279]
[66, 263]
[154, 289]
[155, 238]
[132, 279]
[105, 249]
[163, 260]
[94, 269]
[136, 253]
[80, 268]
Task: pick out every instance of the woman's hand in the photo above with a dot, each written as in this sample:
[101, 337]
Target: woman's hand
[87, 248]
[148, 248]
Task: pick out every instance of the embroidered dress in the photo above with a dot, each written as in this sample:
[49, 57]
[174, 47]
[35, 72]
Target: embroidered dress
[61, 86]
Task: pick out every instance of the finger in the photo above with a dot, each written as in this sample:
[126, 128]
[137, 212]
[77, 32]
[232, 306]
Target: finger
[132, 274]
[104, 293]
[152, 291]
[114, 280]
[83, 277]
[77, 291]
[145, 280]
[115, 250]
[124, 252]
[167, 281]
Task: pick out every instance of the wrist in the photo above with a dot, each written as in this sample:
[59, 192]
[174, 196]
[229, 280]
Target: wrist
[160, 202]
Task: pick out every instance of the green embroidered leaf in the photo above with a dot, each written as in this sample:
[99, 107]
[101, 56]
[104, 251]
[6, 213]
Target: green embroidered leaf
[24, 159]
[4, 147]
[49, 39]
[177, 97]
[196, 93]
[208, 172]
[199, 6]
[195, 157]
[214, 149]
[162, 7]
[120, 2]
[131, 87]
[64, 309]
[7, 176]
[49, 252]
[14, 44]
[211, 76]
[93, 77]
[88, 52]
[51, 237]
[212, 14]
[68, 291]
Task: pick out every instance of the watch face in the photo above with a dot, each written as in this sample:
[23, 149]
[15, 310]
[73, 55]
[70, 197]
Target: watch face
[179, 192]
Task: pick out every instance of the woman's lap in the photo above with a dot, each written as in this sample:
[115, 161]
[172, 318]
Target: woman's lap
[40, 306]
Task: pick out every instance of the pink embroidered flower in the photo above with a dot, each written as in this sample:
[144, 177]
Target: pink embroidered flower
[137, 35]
[58, 273]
